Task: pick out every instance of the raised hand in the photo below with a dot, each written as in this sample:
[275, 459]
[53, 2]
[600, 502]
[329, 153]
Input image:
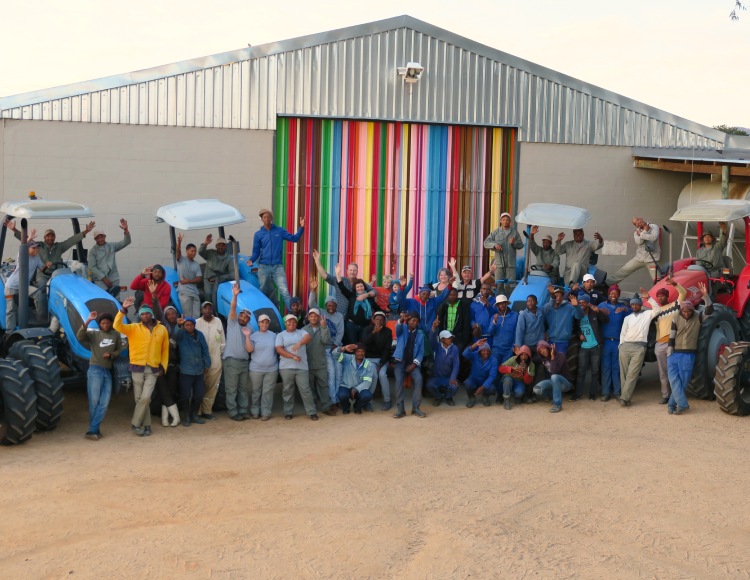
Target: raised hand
[493, 267]
[573, 300]
[179, 239]
[534, 229]
[316, 255]
[560, 236]
[89, 226]
[11, 225]
[338, 269]
[92, 316]
[702, 288]
[313, 282]
[436, 324]
[598, 237]
[246, 330]
[452, 264]
[152, 286]
[302, 222]
[124, 225]
[129, 301]
[236, 289]
[209, 239]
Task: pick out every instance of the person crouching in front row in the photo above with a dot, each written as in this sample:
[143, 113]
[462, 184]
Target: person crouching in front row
[444, 380]
[357, 378]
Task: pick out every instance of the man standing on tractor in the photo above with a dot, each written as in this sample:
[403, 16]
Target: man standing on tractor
[504, 240]
[546, 257]
[102, 263]
[268, 245]
[710, 255]
[190, 275]
[12, 285]
[577, 254]
[683, 344]
[218, 266]
[647, 251]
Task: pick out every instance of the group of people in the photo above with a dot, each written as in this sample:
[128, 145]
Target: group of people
[456, 332]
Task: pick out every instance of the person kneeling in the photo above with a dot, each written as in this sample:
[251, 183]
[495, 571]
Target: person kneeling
[553, 370]
[444, 380]
[357, 377]
[483, 373]
[517, 371]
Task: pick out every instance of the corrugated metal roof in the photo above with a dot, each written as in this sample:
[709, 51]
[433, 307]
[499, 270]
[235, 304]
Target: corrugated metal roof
[725, 156]
[351, 73]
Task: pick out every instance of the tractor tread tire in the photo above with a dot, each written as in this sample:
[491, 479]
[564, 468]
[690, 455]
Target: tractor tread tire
[45, 372]
[18, 421]
[726, 381]
[701, 385]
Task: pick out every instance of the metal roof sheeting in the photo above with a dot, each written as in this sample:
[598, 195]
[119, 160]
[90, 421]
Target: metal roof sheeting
[351, 73]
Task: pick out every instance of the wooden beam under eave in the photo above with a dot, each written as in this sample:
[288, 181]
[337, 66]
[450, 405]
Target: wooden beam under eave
[686, 167]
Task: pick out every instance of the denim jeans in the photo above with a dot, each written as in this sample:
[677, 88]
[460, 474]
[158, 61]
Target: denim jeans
[385, 384]
[611, 368]
[557, 385]
[275, 273]
[361, 398]
[680, 366]
[588, 359]
[99, 387]
[518, 388]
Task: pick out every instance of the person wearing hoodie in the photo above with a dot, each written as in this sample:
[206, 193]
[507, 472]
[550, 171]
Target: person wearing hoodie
[483, 373]
[552, 374]
[518, 372]
[425, 306]
[443, 384]
[399, 291]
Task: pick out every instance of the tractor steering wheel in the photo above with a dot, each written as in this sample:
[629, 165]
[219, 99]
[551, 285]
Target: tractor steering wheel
[704, 264]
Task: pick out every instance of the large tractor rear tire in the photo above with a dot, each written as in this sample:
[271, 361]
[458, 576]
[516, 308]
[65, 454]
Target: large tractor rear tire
[18, 419]
[717, 331]
[571, 358]
[48, 385]
[732, 380]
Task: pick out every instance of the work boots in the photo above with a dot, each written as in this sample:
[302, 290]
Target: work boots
[175, 414]
[164, 416]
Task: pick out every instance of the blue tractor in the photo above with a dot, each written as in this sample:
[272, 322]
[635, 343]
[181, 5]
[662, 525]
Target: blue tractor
[42, 352]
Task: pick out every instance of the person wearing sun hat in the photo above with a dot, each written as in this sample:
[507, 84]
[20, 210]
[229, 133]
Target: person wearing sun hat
[268, 249]
[546, 258]
[219, 266]
[102, 263]
[504, 241]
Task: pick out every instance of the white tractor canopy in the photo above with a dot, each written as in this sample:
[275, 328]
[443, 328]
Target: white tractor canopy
[46, 209]
[554, 215]
[199, 214]
[718, 210]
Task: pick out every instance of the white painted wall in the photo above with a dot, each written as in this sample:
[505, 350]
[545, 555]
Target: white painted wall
[603, 180]
[130, 171]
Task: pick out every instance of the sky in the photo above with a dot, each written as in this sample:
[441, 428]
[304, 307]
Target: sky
[685, 57]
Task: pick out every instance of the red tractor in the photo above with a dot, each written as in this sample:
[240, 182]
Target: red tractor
[721, 358]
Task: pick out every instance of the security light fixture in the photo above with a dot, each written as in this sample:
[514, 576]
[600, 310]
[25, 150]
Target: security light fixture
[412, 72]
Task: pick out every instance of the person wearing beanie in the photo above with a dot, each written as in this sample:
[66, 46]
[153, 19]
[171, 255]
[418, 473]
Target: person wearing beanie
[268, 248]
[357, 378]
[610, 348]
[546, 258]
[483, 375]
[219, 266]
[454, 316]
[683, 345]
[667, 311]
[102, 263]
[399, 291]
[589, 356]
[194, 361]
[425, 305]
[295, 307]
[141, 286]
[443, 384]
[633, 342]
[647, 251]
[148, 344]
[407, 360]
[711, 253]
[190, 276]
[552, 374]
[168, 384]
[504, 241]
[105, 345]
[335, 322]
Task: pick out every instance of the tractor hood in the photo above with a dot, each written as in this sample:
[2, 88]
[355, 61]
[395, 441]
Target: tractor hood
[46, 209]
[199, 214]
[718, 210]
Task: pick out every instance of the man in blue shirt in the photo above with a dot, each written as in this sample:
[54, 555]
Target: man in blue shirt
[558, 317]
[610, 347]
[530, 327]
[268, 245]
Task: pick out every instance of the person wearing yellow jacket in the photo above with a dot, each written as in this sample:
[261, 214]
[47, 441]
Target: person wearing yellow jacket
[148, 343]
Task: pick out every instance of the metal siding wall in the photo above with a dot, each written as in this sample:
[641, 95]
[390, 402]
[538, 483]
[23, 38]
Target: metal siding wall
[356, 78]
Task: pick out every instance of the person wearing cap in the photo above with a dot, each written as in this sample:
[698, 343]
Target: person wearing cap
[589, 356]
[483, 375]
[295, 307]
[264, 367]
[268, 249]
[617, 310]
[667, 311]
[426, 306]
[588, 286]
[194, 361]
[36, 293]
[102, 262]
[357, 378]
[443, 384]
[468, 286]
[683, 345]
[482, 310]
[292, 350]
[577, 254]
[547, 259]
[711, 253]
[50, 253]
[219, 266]
[559, 316]
[352, 276]
[163, 289]
[504, 240]
[148, 345]
[234, 361]
[647, 251]
[213, 331]
[360, 310]
[378, 339]
[502, 329]
[518, 373]
[552, 374]
[317, 328]
[633, 342]
[335, 322]
[407, 360]
[168, 383]
[454, 316]
[190, 276]
[105, 345]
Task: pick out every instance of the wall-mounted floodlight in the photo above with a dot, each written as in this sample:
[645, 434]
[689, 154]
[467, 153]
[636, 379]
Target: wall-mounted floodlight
[412, 72]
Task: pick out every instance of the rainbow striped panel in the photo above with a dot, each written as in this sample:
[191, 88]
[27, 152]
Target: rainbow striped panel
[393, 197]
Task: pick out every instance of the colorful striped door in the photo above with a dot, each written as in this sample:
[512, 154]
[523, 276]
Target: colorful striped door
[393, 197]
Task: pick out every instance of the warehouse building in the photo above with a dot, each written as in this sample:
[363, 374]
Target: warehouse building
[399, 141]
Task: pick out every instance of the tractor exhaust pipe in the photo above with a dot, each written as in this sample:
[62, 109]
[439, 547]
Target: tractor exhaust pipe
[23, 278]
[670, 270]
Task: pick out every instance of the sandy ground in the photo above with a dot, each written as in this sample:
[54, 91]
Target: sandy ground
[596, 491]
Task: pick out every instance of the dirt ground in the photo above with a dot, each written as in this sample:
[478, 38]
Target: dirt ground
[596, 491]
